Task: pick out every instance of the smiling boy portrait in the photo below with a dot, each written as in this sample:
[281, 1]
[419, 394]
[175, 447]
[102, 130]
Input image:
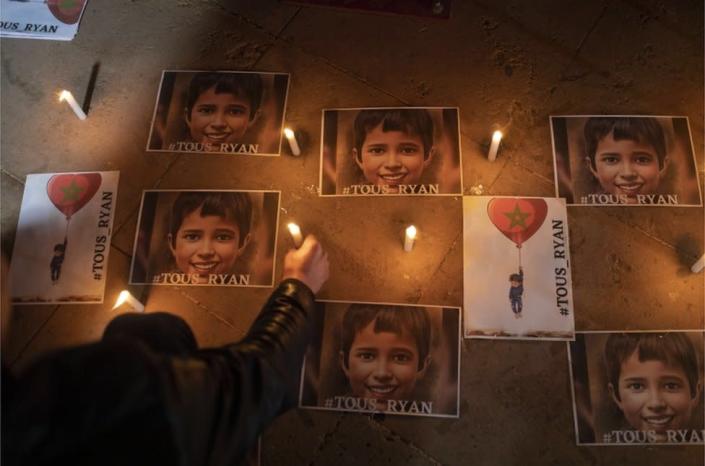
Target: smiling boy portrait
[390, 151]
[385, 351]
[625, 160]
[392, 358]
[219, 112]
[208, 232]
[211, 238]
[638, 387]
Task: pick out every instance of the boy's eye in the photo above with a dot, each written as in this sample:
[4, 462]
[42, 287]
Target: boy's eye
[636, 386]
[609, 159]
[224, 237]
[401, 358]
[236, 111]
[409, 150]
[672, 386]
[205, 110]
[191, 236]
[644, 159]
[365, 355]
[376, 150]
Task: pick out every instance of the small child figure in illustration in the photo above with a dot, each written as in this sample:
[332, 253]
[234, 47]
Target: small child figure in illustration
[57, 260]
[516, 290]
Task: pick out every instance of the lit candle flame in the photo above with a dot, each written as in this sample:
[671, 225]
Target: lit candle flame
[295, 234]
[294, 229]
[411, 232]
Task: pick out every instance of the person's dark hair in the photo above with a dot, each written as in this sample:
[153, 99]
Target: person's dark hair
[673, 349]
[415, 121]
[246, 85]
[394, 319]
[60, 247]
[235, 206]
[644, 130]
[515, 277]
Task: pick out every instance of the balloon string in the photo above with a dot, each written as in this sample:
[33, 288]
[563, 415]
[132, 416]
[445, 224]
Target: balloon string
[519, 248]
[66, 235]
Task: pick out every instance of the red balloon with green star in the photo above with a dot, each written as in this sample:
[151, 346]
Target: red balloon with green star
[517, 218]
[69, 192]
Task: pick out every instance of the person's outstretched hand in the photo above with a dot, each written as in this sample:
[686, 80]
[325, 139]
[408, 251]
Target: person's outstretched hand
[308, 264]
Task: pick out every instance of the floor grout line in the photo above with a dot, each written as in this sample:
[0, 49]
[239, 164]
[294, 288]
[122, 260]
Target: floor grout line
[12, 176]
[389, 432]
[34, 335]
[205, 308]
[589, 31]
[278, 34]
[326, 437]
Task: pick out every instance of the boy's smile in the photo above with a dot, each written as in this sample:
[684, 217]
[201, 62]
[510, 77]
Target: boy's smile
[392, 158]
[626, 167]
[218, 117]
[383, 365]
[206, 245]
[654, 396]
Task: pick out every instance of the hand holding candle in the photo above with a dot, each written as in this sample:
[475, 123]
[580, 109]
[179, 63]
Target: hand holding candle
[293, 143]
[409, 238]
[295, 234]
[494, 147]
[68, 98]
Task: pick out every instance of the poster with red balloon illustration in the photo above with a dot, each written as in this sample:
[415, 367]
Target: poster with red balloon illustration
[41, 19]
[63, 238]
[516, 266]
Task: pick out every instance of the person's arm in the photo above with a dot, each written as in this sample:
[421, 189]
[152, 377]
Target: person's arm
[221, 400]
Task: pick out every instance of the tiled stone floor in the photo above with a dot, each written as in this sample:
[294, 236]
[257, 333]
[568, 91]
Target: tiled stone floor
[517, 61]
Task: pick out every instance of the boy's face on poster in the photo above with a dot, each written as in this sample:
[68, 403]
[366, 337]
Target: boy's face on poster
[206, 245]
[654, 396]
[383, 365]
[626, 167]
[391, 157]
[218, 117]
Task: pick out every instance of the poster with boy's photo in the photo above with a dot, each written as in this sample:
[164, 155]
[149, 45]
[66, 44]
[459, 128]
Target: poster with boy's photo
[636, 388]
[625, 160]
[210, 238]
[391, 151]
[63, 238]
[516, 266]
[219, 112]
[41, 19]
[378, 357]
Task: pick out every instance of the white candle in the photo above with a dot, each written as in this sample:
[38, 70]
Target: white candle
[126, 297]
[409, 238]
[295, 149]
[295, 234]
[698, 266]
[494, 147]
[68, 97]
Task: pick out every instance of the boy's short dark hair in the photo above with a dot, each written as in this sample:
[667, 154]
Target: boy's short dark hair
[235, 206]
[645, 130]
[387, 318]
[416, 121]
[673, 349]
[515, 277]
[247, 85]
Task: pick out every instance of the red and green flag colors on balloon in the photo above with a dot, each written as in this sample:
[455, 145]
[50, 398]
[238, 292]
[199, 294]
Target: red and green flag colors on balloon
[516, 268]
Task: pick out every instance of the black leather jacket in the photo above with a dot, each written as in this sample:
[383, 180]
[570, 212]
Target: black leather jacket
[117, 402]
